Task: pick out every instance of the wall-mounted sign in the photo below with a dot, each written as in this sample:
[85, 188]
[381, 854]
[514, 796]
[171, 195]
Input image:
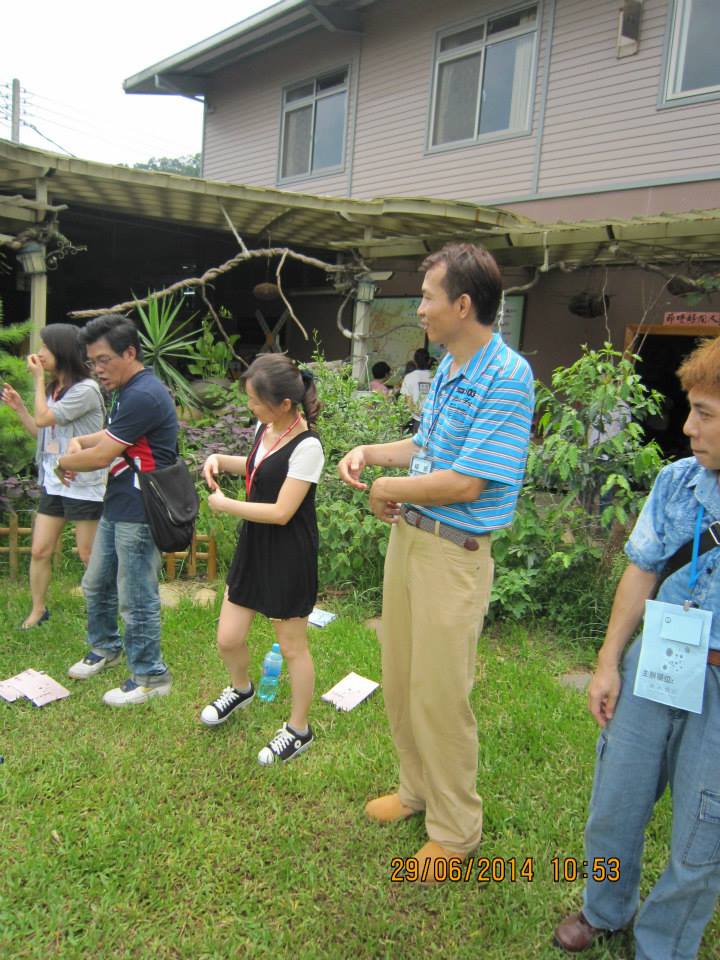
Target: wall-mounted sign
[691, 318]
[511, 326]
[395, 331]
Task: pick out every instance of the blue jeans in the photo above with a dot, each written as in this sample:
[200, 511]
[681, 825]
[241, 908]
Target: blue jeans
[123, 573]
[646, 747]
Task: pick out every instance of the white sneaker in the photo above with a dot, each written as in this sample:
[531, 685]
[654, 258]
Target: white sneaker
[285, 745]
[229, 700]
[93, 663]
[131, 693]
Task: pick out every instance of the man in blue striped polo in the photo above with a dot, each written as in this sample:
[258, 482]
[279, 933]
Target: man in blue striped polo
[466, 465]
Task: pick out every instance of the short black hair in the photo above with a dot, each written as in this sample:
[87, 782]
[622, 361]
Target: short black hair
[470, 269]
[422, 359]
[380, 370]
[119, 331]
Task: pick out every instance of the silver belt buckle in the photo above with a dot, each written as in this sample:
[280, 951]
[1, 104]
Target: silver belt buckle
[714, 530]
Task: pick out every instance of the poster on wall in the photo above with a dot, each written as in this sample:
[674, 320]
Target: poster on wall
[510, 327]
[394, 332]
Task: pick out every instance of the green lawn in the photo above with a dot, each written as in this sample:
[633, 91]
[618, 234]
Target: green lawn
[140, 833]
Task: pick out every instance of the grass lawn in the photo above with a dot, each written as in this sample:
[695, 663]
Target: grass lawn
[140, 833]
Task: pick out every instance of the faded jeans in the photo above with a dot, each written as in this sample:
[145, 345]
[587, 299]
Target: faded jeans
[646, 747]
[123, 575]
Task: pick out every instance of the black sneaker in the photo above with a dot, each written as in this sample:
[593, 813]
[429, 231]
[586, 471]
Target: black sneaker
[285, 745]
[229, 700]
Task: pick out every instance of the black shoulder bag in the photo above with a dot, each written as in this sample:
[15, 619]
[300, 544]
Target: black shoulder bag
[171, 504]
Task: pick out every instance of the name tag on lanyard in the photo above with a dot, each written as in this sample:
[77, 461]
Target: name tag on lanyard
[420, 464]
[673, 657]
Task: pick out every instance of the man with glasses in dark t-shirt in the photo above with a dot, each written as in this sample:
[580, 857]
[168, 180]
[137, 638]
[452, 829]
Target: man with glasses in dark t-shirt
[125, 564]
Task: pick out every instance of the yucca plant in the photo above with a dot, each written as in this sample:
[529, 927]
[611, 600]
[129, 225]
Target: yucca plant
[164, 342]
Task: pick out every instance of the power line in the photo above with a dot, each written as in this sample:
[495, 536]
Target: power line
[32, 126]
[48, 112]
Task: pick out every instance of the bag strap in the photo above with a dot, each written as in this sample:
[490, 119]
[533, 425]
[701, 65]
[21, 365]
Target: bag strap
[130, 463]
[683, 555]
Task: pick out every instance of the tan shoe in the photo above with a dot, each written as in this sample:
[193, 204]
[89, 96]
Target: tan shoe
[433, 862]
[388, 809]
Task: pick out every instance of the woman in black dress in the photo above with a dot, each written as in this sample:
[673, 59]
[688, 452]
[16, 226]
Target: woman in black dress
[274, 571]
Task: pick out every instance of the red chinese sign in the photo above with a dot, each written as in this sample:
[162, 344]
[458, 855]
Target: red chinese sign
[692, 318]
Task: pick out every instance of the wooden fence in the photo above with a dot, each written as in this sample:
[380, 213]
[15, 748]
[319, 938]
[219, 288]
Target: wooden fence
[15, 542]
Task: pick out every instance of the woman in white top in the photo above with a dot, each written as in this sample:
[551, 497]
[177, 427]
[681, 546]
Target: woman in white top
[274, 571]
[70, 405]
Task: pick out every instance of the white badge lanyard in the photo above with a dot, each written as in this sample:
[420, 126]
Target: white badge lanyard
[675, 641]
[421, 463]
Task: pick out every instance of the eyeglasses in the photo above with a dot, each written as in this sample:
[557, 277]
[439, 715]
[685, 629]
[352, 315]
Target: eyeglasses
[100, 362]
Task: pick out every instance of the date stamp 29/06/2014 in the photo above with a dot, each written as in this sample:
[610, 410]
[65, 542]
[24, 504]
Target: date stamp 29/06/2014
[501, 870]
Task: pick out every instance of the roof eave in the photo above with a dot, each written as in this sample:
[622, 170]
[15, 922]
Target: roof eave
[278, 23]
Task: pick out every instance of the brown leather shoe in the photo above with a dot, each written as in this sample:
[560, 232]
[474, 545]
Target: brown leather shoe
[575, 934]
[429, 871]
[388, 809]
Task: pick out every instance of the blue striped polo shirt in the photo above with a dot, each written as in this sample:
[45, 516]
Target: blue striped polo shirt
[477, 423]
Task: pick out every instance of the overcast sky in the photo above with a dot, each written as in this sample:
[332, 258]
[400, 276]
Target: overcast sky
[71, 59]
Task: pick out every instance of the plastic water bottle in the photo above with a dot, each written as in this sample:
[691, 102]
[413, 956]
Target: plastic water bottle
[272, 666]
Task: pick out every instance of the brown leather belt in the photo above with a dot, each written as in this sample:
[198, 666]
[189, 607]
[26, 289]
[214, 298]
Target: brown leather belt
[463, 538]
[714, 658]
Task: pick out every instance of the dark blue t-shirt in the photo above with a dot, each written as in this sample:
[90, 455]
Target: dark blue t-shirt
[142, 416]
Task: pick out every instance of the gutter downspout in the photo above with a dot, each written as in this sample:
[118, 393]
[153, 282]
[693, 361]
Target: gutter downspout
[535, 186]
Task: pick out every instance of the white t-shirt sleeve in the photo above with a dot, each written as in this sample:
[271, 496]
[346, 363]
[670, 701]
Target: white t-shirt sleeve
[307, 461]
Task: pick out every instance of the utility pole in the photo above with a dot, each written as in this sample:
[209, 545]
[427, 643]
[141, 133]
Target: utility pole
[15, 123]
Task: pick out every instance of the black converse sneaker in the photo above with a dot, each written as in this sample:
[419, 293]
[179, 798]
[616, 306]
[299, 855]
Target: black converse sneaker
[285, 745]
[229, 700]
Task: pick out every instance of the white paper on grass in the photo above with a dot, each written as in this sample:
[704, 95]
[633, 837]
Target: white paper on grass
[349, 692]
[38, 687]
[321, 618]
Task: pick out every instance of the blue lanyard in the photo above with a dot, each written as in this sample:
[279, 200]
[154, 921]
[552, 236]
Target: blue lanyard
[696, 548]
[436, 416]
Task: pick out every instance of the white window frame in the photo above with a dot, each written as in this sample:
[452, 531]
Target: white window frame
[479, 46]
[677, 48]
[312, 100]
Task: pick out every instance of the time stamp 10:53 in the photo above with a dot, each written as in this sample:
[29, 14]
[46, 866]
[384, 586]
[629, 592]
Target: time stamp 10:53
[505, 869]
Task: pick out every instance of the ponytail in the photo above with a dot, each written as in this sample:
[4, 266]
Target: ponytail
[276, 378]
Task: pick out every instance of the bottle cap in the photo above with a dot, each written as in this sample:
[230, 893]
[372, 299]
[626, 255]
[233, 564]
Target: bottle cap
[276, 648]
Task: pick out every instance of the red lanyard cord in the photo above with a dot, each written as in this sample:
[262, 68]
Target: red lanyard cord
[250, 474]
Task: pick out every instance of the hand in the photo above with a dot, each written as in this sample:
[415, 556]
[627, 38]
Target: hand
[64, 476]
[217, 500]
[386, 510]
[350, 468]
[210, 470]
[603, 693]
[12, 398]
[35, 367]
[73, 446]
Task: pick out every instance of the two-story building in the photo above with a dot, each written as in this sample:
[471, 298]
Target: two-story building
[560, 110]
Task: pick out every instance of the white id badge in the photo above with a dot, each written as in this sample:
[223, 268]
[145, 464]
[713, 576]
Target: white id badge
[673, 657]
[420, 464]
[52, 446]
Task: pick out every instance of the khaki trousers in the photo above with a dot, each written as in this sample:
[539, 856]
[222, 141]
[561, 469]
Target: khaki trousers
[435, 598]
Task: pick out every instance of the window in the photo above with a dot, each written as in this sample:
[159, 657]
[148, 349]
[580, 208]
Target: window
[483, 78]
[694, 65]
[313, 125]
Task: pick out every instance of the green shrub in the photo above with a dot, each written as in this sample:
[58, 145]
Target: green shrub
[352, 541]
[562, 557]
[17, 446]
